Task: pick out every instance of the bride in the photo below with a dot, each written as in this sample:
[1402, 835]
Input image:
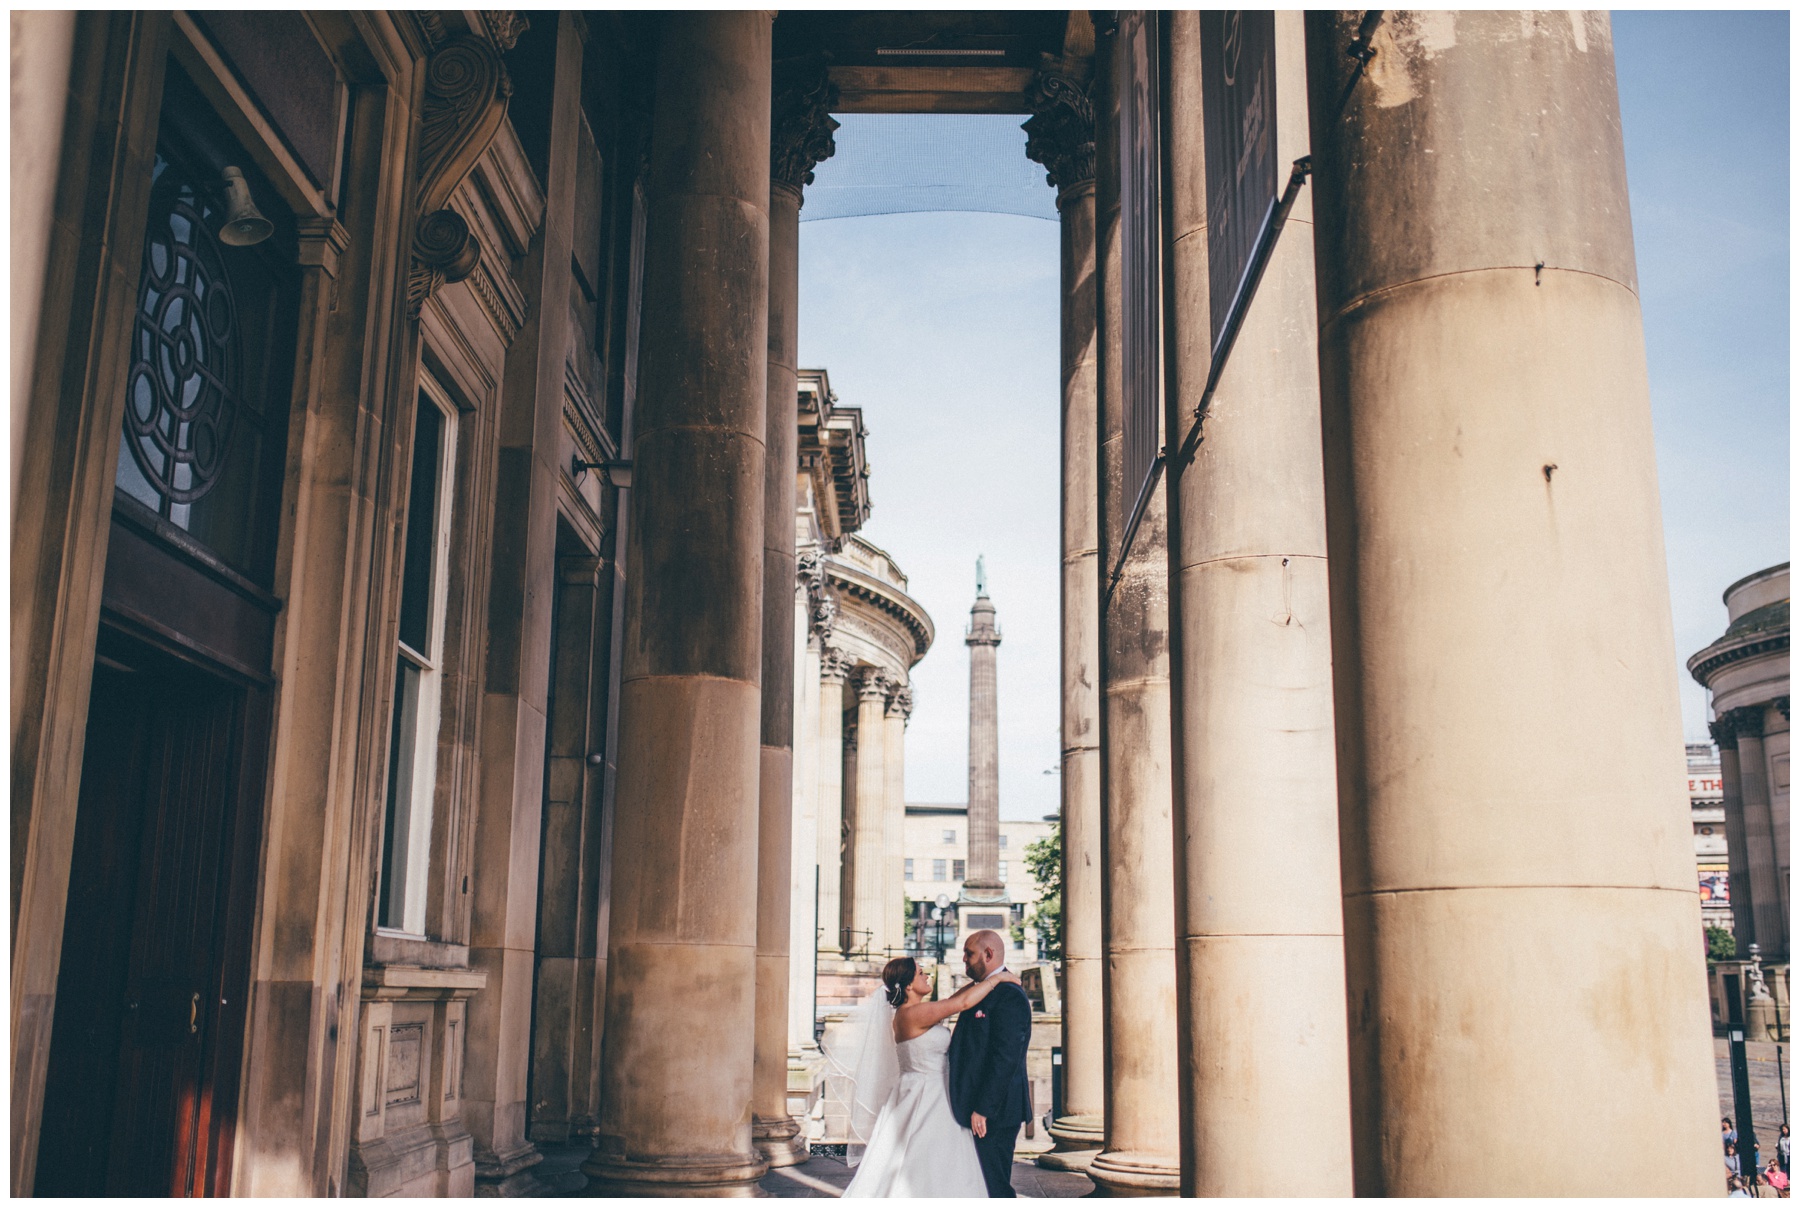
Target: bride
[895, 1049]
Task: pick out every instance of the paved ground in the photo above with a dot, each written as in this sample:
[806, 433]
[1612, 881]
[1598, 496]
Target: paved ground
[817, 1178]
[825, 1177]
[1765, 1092]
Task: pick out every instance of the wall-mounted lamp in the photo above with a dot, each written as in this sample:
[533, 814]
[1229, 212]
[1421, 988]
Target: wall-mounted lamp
[244, 223]
[612, 473]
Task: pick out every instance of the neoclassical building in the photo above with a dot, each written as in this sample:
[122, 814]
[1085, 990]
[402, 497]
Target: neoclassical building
[411, 655]
[1746, 673]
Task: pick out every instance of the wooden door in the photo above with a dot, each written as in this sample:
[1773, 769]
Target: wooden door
[150, 995]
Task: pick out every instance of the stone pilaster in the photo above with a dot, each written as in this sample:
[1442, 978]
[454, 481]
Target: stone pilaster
[803, 875]
[1749, 813]
[1497, 566]
[1061, 137]
[682, 978]
[1137, 888]
[801, 125]
[1261, 973]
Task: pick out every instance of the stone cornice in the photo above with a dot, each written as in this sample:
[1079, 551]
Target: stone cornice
[887, 599]
[1726, 651]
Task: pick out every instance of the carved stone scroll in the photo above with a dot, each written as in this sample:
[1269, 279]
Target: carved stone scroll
[466, 92]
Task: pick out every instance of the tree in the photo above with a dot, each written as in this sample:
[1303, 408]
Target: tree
[1721, 945]
[1044, 860]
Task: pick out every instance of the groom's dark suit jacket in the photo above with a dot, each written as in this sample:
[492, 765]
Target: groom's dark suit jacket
[987, 1059]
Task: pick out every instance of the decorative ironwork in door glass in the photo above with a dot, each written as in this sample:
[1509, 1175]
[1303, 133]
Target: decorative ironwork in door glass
[211, 351]
[183, 393]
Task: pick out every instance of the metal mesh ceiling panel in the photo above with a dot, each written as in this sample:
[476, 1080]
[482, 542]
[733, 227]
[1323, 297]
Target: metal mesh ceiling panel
[904, 163]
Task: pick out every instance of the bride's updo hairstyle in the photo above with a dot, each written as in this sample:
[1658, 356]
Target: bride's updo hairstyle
[896, 976]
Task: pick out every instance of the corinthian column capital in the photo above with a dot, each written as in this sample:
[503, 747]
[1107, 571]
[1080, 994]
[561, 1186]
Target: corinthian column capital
[801, 125]
[834, 665]
[872, 683]
[1060, 132]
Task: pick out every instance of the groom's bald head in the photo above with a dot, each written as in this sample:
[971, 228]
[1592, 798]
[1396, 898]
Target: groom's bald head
[982, 953]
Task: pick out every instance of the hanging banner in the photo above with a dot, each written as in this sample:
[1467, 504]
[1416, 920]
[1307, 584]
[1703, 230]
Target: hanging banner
[1237, 91]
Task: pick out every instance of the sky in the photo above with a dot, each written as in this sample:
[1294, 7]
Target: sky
[942, 327]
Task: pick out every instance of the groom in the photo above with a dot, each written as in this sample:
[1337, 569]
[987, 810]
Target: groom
[988, 1091]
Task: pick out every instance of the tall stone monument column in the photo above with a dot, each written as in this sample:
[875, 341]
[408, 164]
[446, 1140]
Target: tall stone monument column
[800, 136]
[983, 883]
[681, 987]
[868, 818]
[893, 869]
[1137, 886]
[1261, 967]
[1061, 137]
[1526, 1017]
[834, 670]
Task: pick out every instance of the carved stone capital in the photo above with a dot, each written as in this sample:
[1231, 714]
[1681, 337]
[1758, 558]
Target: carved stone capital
[872, 684]
[504, 27]
[834, 665]
[1060, 132]
[821, 605]
[901, 702]
[466, 92]
[1781, 702]
[1746, 722]
[801, 125]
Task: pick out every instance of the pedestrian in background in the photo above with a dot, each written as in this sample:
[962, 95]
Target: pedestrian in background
[1732, 1165]
[1728, 1133]
[1784, 1150]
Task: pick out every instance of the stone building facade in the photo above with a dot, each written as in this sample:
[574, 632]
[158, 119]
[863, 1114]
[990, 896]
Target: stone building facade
[407, 447]
[1746, 673]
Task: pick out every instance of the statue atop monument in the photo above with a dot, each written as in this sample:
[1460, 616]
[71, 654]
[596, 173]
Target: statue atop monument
[980, 576]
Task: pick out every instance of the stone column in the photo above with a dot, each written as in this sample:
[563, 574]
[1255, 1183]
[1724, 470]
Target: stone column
[1261, 971]
[1061, 137]
[834, 669]
[798, 116]
[1137, 876]
[681, 985]
[983, 882]
[1743, 918]
[1768, 896]
[1527, 1017]
[868, 816]
[893, 754]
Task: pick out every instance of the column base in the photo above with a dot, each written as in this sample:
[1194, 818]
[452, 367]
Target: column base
[780, 1141]
[510, 1177]
[719, 1175]
[1120, 1173]
[1078, 1142]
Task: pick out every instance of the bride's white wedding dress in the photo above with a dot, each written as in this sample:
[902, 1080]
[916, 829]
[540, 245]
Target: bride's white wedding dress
[917, 1148]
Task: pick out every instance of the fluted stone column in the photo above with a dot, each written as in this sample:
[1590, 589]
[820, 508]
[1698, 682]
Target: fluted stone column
[1061, 137]
[681, 987]
[801, 126]
[834, 669]
[983, 884]
[868, 817]
[1137, 876]
[893, 895]
[1751, 834]
[1737, 860]
[1526, 1017]
[1261, 969]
